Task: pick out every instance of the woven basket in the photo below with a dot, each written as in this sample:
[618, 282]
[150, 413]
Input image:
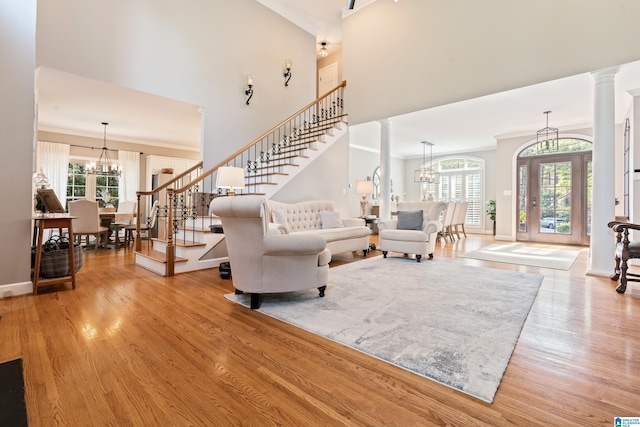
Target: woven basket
[54, 261]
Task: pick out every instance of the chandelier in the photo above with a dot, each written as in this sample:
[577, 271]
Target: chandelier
[104, 166]
[546, 137]
[426, 174]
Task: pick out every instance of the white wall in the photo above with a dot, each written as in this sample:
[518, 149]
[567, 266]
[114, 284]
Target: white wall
[416, 54]
[198, 51]
[17, 130]
[326, 178]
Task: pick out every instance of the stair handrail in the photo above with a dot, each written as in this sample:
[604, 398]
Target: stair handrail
[138, 241]
[211, 170]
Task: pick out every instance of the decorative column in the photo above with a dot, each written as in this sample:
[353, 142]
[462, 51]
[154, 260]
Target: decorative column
[603, 204]
[385, 169]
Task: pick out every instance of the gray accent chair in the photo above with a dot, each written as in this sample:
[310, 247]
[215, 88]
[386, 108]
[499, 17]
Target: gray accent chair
[263, 263]
[420, 242]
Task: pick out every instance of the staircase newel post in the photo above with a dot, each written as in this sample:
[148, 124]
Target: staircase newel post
[138, 241]
[170, 252]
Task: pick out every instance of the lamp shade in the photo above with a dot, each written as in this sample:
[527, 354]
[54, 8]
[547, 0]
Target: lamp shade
[230, 177]
[364, 187]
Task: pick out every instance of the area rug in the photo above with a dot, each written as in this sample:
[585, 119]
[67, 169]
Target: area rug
[454, 324]
[13, 409]
[549, 256]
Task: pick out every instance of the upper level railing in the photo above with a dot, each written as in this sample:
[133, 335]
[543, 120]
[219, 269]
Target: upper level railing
[263, 159]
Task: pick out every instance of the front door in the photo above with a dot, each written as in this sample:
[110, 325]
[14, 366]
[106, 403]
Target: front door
[554, 198]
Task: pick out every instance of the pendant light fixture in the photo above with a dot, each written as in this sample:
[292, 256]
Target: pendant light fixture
[426, 174]
[104, 166]
[323, 52]
[547, 137]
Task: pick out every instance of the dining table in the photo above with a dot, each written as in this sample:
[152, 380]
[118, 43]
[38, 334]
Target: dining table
[115, 221]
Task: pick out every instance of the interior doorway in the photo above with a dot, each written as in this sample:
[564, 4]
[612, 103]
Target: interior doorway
[327, 78]
[554, 193]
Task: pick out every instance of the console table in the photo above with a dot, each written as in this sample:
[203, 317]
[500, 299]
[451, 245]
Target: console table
[45, 222]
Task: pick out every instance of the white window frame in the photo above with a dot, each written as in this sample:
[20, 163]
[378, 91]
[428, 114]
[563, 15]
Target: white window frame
[425, 188]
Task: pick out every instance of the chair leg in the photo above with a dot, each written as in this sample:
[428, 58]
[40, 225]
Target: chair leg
[616, 271]
[418, 257]
[463, 230]
[256, 301]
[622, 287]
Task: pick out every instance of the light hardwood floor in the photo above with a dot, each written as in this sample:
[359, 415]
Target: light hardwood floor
[129, 348]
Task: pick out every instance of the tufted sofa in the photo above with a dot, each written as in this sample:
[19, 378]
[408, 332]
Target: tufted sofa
[319, 218]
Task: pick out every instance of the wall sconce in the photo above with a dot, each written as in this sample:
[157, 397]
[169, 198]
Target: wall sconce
[249, 92]
[287, 74]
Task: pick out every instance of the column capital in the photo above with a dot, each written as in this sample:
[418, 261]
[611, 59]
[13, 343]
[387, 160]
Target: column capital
[605, 74]
[385, 122]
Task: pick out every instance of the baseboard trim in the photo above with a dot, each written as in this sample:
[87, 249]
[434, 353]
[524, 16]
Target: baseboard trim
[505, 237]
[597, 273]
[16, 289]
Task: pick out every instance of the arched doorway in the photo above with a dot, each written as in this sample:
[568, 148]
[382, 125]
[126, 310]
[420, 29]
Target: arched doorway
[554, 192]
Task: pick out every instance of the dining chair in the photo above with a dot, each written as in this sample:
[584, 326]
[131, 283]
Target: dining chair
[461, 215]
[124, 216]
[448, 226]
[126, 212]
[446, 222]
[145, 227]
[87, 222]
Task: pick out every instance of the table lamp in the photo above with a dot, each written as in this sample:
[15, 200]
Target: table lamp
[230, 178]
[364, 187]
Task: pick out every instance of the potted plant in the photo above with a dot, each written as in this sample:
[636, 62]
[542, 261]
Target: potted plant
[491, 211]
[108, 200]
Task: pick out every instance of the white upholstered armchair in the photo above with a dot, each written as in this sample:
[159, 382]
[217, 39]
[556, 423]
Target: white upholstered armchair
[262, 263]
[415, 231]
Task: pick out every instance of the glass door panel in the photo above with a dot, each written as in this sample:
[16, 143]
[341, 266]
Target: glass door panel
[522, 199]
[555, 197]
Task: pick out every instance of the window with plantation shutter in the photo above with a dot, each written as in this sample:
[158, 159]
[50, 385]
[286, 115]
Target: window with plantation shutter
[461, 178]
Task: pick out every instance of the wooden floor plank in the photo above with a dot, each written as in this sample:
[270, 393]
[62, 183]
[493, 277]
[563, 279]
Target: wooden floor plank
[129, 347]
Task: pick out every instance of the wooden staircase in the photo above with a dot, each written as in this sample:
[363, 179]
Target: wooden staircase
[185, 240]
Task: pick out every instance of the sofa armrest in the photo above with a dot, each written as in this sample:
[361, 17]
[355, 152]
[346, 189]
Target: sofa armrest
[432, 227]
[387, 224]
[277, 229]
[353, 222]
[293, 244]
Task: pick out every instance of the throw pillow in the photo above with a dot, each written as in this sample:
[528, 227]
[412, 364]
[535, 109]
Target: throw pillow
[279, 216]
[410, 220]
[330, 219]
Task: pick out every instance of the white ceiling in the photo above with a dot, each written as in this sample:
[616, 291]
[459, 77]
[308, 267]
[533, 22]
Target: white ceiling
[475, 124]
[76, 105]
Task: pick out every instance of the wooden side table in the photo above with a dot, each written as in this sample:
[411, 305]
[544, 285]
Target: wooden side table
[44, 222]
